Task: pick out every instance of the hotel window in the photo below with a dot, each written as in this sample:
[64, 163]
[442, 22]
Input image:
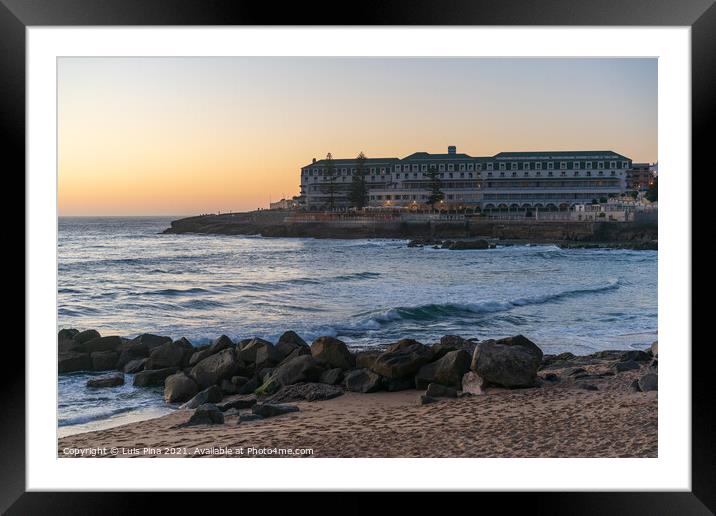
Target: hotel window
[415, 168]
[424, 167]
[469, 166]
[538, 166]
[526, 173]
[451, 166]
[514, 174]
[462, 174]
[601, 172]
[478, 166]
[441, 167]
[414, 175]
[563, 173]
[625, 164]
[612, 164]
[489, 166]
[469, 174]
[513, 166]
[397, 168]
[575, 165]
[550, 165]
[489, 174]
[576, 173]
[588, 164]
[538, 173]
[563, 165]
[600, 164]
[502, 166]
[589, 173]
[550, 173]
[613, 173]
[502, 174]
[372, 170]
[461, 166]
[526, 165]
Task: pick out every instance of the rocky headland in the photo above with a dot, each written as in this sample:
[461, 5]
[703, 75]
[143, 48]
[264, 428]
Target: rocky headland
[629, 235]
[457, 387]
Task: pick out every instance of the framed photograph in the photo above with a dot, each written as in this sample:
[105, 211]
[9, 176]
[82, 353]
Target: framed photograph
[423, 240]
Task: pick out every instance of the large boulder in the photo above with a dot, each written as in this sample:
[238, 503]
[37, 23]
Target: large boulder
[649, 382]
[109, 380]
[636, 355]
[331, 376]
[508, 362]
[233, 385]
[451, 343]
[70, 361]
[302, 368]
[365, 359]
[291, 343]
[402, 359]
[65, 339]
[135, 366]
[215, 368]
[111, 343]
[243, 402]
[259, 352]
[179, 387]
[150, 377]
[436, 390]
[139, 347]
[472, 383]
[655, 348]
[305, 391]
[206, 414]
[209, 395]
[85, 336]
[170, 354]
[362, 380]
[104, 360]
[461, 245]
[271, 410]
[447, 371]
[332, 352]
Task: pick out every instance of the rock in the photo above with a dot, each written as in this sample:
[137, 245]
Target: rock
[170, 354]
[636, 355]
[179, 387]
[655, 348]
[249, 387]
[139, 347]
[398, 384]
[99, 344]
[271, 410]
[366, 359]
[305, 391]
[247, 351]
[509, 362]
[109, 380]
[65, 339]
[577, 371]
[587, 386]
[649, 382]
[435, 390]
[634, 386]
[472, 383]
[233, 385]
[402, 359]
[85, 336]
[550, 377]
[206, 414]
[221, 343]
[654, 364]
[290, 342]
[629, 365]
[245, 402]
[362, 380]
[332, 352]
[302, 368]
[215, 368]
[198, 356]
[209, 395]
[104, 360]
[469, 244]
[269, 386]
[264, 374]
[135, 366]
[553, 359]
[150, 377]
[450, 343]
[448, 370]
[249, 417]
[71, 361]
[149, 341]
[424, 399]
[231, 412]
[331, 376]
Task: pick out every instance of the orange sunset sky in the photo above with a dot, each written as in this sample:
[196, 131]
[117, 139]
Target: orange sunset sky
[180, 136]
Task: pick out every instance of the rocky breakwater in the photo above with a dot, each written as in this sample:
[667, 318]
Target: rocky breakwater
[254, 378]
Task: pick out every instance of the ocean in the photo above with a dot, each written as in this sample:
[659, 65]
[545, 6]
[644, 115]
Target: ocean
[121, 276]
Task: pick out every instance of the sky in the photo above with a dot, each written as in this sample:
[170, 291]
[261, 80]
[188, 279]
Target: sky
[182, 136]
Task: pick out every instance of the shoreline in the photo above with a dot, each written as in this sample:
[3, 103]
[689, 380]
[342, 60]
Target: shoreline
[641, 235]
[484, 398]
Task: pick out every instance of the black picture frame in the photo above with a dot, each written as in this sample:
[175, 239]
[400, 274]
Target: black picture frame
[700, 15]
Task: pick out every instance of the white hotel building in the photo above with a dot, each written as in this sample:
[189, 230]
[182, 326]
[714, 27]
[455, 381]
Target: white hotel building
[509, 180]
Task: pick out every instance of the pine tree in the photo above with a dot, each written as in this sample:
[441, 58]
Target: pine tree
[436, 193]
[358, 196]
[652, 194]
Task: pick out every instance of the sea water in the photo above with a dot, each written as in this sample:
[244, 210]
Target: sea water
[121, 276]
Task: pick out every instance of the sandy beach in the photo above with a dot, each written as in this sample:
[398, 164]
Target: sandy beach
[561, 419]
